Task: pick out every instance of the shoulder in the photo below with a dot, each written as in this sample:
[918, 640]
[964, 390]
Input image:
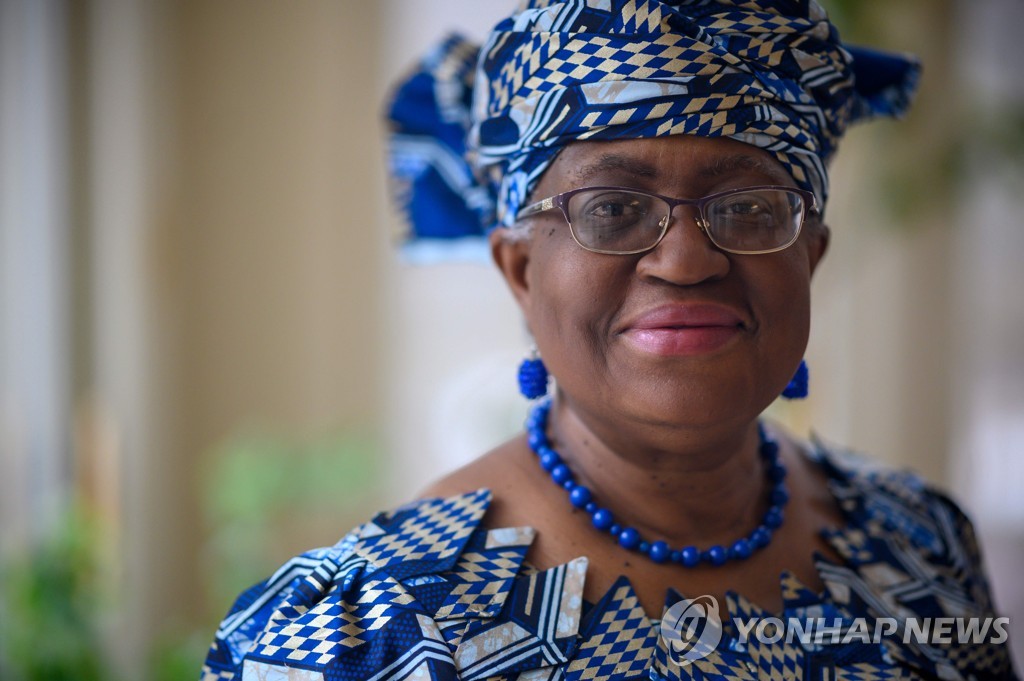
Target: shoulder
[502, 469]
[910, 553]
[345, 592]
[410, 588]
[900, 506]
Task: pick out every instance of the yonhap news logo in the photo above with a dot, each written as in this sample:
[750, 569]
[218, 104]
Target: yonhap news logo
[692, 630]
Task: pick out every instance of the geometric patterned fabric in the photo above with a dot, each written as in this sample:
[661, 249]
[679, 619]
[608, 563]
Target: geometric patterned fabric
[428, 592]
[473, 129]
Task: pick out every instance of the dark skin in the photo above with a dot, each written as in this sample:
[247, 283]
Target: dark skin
[668, 443]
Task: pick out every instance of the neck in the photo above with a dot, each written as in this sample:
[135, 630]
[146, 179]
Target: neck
[686, 486]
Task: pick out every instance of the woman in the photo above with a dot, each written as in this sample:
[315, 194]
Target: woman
[657, 172]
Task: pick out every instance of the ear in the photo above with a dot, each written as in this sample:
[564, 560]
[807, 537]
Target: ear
[512, 256]
[820, 238]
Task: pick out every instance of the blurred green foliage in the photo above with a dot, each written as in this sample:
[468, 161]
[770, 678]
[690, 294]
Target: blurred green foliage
[48, 608]
[924, 163]
[258, 489]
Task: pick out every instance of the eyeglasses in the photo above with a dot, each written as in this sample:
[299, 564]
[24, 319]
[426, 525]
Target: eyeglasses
[622, 221]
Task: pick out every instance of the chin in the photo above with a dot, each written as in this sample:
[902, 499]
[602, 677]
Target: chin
[691, 402]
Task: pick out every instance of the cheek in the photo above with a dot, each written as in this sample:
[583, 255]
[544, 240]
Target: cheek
[786, 298]
[781, 295]
[573, 301]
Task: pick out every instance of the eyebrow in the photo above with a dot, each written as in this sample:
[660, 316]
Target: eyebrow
[721, 167]
[728, 165]
[616, 162]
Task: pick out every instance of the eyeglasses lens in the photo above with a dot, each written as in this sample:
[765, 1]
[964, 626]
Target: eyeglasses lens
[759, 220]
[618, 221]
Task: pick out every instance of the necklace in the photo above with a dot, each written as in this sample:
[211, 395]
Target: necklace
[629, 537]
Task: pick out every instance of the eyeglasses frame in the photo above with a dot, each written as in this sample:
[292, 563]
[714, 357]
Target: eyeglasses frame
[561, 201]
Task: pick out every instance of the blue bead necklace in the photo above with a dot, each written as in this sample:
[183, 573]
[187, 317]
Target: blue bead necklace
[629, 537]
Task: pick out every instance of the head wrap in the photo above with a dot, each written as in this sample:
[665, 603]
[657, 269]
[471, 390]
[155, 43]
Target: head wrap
[771, 73]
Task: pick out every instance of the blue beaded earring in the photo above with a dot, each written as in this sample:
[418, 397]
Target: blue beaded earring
[797, 388]
[533, 376]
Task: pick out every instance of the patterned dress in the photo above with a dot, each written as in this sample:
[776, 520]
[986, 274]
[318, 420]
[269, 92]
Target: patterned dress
[428, 592]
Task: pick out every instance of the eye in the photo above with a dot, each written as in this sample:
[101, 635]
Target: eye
[746, 206]
[763, 209]
[612, 220]
[760, 219]
[609, 209]
[614, 208]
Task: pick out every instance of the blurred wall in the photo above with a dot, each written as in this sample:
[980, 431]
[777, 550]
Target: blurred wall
[235, 179]
[454, 334]
[270, 254]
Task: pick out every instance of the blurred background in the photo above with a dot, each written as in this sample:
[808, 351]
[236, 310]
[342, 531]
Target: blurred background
[211, 357]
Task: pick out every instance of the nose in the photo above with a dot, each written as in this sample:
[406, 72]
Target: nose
[685, 255]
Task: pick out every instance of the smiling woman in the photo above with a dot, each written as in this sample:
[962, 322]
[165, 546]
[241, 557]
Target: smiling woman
[652, 179]
[740, 322]
[664, 360]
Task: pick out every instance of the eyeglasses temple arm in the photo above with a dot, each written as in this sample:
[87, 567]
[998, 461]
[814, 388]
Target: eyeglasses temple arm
[814, 210]
[539, 207]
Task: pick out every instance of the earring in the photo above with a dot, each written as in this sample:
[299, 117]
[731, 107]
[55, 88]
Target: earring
[797, 388]
[533, 376]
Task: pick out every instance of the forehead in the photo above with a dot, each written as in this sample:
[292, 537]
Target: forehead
[679, 160]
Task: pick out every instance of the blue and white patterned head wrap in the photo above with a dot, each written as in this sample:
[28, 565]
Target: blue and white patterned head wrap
[771, 73]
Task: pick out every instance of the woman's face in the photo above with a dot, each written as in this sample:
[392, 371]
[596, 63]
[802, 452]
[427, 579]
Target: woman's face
[683, 335]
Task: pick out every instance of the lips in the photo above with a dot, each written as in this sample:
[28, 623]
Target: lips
[684, 329]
